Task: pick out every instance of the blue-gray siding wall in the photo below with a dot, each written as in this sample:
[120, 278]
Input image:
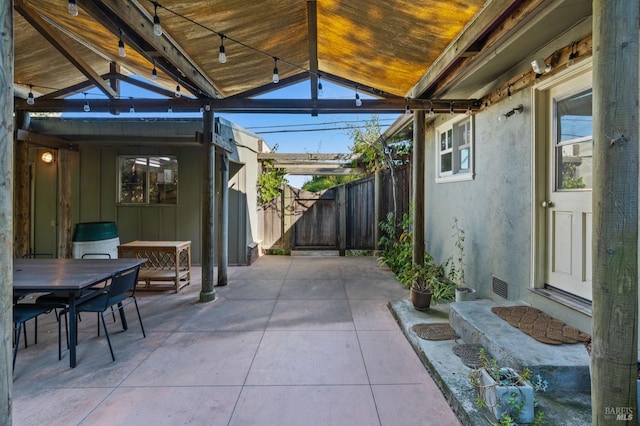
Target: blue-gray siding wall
[494, 209]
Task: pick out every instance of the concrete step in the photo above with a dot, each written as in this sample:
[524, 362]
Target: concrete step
[565, 367]
[452, 376]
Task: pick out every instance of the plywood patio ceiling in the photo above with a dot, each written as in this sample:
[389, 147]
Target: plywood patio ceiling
[381, 46]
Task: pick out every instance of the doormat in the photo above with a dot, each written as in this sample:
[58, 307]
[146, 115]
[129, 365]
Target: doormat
[435, 331]
[539, 325]
[469, 354]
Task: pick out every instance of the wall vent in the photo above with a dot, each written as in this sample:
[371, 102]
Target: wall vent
[500, 288]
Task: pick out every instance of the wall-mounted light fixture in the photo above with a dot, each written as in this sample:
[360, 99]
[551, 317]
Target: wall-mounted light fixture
[516, 110]
[47, 157]
[539, 66]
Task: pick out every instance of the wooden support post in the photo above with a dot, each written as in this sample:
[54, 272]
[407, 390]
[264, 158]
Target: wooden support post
[207, 293]
[6, 209]
[21, 200]
[418, 186]
[342, 219]
[615, 212]
[377, 208]
[64, 203]
[288, 217]
[223, 218]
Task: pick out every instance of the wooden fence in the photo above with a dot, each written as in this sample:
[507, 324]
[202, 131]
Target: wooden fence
[300, 220]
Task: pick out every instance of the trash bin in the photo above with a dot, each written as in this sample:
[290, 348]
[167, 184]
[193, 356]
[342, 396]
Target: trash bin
[95, 240]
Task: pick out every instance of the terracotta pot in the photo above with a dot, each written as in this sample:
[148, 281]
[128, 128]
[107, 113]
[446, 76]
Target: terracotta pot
[421, 300]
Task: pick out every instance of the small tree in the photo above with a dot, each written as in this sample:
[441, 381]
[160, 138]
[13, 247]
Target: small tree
[376, 152]
[270, 181]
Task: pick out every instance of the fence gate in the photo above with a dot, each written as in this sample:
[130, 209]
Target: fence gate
[315, 217]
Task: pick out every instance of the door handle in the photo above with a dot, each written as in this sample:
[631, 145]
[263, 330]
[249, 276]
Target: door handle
[547, 204]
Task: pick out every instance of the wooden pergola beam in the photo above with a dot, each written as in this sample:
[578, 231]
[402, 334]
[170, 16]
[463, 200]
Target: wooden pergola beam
[48, 32]
[239, 105]
[320, 171]
[44, 140]
[307, 157]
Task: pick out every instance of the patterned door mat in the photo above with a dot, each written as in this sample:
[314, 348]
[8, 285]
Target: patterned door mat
[469, 354]
[435, 331]
[539, 325]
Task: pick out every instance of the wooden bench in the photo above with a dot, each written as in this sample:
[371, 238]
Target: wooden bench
[167, 261]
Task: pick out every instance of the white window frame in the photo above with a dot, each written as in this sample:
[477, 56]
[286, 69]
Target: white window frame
[454, 147]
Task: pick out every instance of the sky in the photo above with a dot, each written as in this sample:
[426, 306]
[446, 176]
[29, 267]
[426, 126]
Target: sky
[291, 133]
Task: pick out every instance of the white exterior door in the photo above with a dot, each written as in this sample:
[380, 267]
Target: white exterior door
[569, 183]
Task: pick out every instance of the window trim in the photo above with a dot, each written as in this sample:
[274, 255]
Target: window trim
[455, 175]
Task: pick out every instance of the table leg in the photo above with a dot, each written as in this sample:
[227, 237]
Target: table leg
[72, 330]
[125, 326]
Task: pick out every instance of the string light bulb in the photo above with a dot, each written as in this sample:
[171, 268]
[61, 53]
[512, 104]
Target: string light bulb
[177, 93]
[73, 8]
[86, 107]
[358, 100]
[121, 50]
[573, 55]
[451, 112]
[320, 90]
[222, 56]
[157, 28]
[132, 110]
[170, 109]
[276, 75]
[30, 99]
[407, 110]
[154, 72]
[431, 111]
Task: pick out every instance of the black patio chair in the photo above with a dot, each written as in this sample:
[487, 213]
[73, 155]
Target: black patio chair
[23, 312]
[121, 287]
[57, 299]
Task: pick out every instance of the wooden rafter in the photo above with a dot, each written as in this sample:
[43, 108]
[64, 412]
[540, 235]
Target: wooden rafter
[516, 19]
[312, 34]
[467, 39]
[136, 17]
[48, 32]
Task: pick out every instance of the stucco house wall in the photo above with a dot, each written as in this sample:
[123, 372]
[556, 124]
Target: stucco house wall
[493, 209]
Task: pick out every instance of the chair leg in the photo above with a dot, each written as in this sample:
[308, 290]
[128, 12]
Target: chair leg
[15, 349]
[106, 333]
[35, 335]
[60, 334]
[135, 301]
[25, 334]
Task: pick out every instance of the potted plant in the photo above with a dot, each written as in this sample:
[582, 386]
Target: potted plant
[427, 283]
[456, 271]
[509, 395]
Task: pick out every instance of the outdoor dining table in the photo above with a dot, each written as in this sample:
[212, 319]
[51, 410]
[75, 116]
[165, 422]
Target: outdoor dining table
[69, 276]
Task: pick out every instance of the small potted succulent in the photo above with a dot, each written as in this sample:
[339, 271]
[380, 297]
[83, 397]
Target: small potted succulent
[508, 394]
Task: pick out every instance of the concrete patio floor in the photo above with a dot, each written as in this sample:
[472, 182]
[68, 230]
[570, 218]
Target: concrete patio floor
[290, 341]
